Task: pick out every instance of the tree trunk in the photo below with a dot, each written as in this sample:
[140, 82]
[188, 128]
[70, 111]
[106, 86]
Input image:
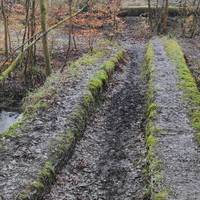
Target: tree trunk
[150, 15]
[165, 16]
[70, 27]
[43, 10]
[5, 20]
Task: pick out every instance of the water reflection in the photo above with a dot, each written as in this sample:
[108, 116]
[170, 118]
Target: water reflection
[7, 119]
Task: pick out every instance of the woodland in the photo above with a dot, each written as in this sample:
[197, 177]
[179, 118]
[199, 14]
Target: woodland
[99, 99]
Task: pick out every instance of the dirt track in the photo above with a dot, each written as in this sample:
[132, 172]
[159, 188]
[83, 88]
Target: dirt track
[108, 162]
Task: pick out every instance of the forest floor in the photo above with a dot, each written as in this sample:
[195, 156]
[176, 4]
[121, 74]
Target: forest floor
[110, 160]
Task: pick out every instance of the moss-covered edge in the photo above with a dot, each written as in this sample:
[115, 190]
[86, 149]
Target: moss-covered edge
[65, 144]
[155, 190]
[187, 83]
[39, 99]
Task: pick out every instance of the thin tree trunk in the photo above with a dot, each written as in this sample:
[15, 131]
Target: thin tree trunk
[150, 14]
[165, 16]
[70, 28]
[33, 30]
[43, 10]
[5, 20]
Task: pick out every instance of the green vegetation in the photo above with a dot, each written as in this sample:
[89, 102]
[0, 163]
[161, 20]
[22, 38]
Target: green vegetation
[187, 83]
[38, 99]
[109, 67]
[95, 85]
[161, 196]
[88, 100]
[12, 129]
[155, 190]
[87, 59]
[46, 176]
[91, 58]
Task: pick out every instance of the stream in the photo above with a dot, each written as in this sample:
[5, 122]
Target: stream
[7, 119]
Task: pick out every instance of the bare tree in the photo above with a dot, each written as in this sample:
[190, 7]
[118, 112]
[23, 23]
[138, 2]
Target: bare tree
[6, 34]
[43, 11]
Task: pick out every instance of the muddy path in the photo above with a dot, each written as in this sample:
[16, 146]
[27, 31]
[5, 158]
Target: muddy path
[176, 149]
[108, 162]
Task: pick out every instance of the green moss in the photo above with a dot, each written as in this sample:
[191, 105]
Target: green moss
[62, 144]
[149, 129]
[47, 174]
[92, 58]
[100, 78]
[39, 99]
[38, 185]
[120, 56]
[95, 85]
[154, 164]
[151, 141]
[151, 111]
[70, 137]
[12, 131]
[79, 119]
[22, 196]
[40, 105]
[163, 195]
[88, 100]
[187, 83]
[109, 67]
[102, 75]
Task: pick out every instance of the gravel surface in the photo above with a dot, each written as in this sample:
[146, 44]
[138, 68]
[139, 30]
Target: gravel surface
[108, 162]
[22, 157]
[177, 148]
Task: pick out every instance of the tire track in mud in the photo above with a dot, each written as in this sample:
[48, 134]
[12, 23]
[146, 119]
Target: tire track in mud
[108, 162]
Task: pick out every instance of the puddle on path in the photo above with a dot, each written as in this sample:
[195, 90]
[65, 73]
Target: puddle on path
[7, 119]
